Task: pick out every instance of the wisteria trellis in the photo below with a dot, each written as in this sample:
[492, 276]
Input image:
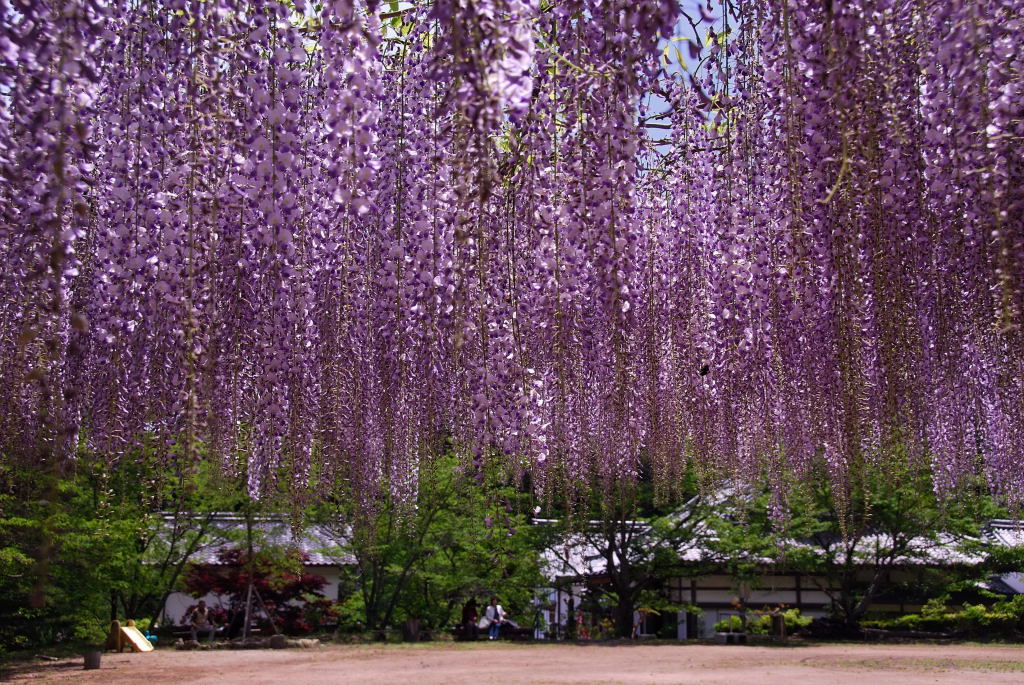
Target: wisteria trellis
[755, 233]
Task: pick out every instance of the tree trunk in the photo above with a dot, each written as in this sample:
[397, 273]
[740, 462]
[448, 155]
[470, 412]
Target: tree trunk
[624, 616]
[862, 606]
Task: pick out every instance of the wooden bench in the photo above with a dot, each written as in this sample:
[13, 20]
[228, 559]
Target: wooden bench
[508, 632]
[185, 633]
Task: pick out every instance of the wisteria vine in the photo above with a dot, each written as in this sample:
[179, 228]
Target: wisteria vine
[758, 236]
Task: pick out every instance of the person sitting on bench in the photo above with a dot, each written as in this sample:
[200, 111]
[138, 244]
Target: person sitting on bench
[200, 620]
[495, 616]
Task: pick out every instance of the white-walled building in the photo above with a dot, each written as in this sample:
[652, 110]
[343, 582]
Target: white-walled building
[575, 563]
[321, 546]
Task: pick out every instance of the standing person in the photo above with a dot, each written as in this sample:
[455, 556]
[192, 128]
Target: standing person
[236, 621]
[200, 621]
[495, 616]
[470, 614]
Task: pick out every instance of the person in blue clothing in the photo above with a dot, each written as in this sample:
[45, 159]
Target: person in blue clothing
[495, 616]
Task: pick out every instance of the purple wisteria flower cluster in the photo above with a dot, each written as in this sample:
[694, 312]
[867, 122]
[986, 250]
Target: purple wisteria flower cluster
[317, 240]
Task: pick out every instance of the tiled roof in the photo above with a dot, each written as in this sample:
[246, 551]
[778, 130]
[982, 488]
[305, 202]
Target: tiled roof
[1005, 532]
[322, 544]
[576, 555]
[1004, 584]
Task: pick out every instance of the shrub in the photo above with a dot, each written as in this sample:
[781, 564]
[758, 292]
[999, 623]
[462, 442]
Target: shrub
[730, 624]
[1002, 619]
[760, 622]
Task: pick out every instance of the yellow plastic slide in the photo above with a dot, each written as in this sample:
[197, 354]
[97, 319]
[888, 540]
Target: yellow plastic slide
[136, 640]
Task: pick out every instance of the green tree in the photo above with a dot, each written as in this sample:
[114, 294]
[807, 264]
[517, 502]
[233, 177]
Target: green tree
[96, 541]
[640, 544]
[462, 537]
[166, 522]
[853, 538]
[883, 521]
[57, 560]
[744, 540]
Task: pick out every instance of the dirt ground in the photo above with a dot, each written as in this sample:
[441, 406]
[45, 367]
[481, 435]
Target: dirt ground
[542, 664]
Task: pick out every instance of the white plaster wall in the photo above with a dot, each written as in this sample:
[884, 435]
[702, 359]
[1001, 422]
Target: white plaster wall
[178, 603]
[331, 574]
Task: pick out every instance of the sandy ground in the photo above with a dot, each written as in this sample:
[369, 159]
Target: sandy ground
[541, 664]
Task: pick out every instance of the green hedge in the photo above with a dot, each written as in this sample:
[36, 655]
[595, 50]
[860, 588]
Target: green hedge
[759, 623]
[1002, 619]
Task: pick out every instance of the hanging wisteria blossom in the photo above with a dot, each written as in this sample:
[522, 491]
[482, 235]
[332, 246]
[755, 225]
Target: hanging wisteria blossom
[579, 235]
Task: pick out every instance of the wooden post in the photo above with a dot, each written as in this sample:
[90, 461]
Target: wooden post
[691, 618]
[248, 607]
[266, 611]
[114, 642]
[248, 592]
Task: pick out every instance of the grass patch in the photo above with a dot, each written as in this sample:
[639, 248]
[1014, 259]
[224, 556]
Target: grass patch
[922, 664]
